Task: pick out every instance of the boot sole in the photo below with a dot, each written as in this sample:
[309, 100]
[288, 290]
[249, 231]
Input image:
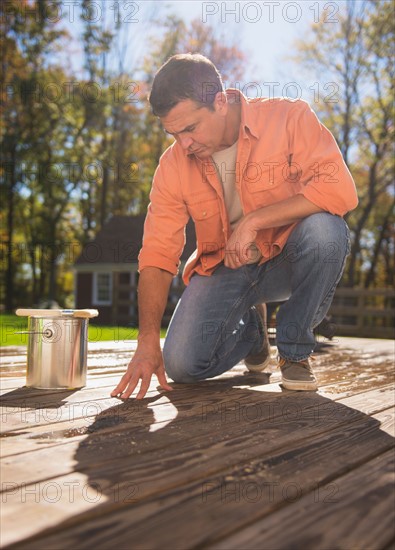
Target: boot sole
[299, 386]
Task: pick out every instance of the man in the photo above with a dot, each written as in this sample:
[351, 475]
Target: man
[266, 186]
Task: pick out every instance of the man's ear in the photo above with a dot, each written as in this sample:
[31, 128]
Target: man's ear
[221, 102]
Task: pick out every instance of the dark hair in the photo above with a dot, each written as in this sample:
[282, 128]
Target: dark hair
[185, 76]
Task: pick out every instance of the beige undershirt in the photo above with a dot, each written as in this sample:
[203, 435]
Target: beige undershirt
[225, 163]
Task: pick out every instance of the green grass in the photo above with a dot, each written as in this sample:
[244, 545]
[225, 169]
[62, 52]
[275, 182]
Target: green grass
[9, 324]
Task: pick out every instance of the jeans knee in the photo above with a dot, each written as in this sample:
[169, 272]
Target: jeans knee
[326, 236]
[178, 365]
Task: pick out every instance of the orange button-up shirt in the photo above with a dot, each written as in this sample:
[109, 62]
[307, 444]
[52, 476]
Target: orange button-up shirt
[283, 151]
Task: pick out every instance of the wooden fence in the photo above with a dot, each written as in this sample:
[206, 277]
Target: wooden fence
[368, 313]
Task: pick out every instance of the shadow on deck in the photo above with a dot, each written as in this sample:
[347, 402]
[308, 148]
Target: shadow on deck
[230, 463]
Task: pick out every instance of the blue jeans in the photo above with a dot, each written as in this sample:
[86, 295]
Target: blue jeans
[215, 324]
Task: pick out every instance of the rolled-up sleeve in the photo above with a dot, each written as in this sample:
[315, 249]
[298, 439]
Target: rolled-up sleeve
[167, 216]
[326, 180]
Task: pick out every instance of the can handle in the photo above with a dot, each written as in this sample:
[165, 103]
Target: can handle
[81, 313]
[48, 333]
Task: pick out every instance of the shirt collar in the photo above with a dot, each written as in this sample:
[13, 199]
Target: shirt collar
[248, 115]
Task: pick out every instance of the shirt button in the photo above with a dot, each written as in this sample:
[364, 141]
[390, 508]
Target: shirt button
[204, 213]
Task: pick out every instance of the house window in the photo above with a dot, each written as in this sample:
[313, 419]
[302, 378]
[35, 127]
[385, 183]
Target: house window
[102, 289]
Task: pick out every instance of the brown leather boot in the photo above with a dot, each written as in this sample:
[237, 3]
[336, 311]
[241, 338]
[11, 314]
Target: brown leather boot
[297, 375]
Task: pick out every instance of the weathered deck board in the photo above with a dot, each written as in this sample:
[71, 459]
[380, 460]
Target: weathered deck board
[87, 470]
[330, 382]
[151, 465]
[224, 424]
[220, 501]
[358, 509]
[221, 403]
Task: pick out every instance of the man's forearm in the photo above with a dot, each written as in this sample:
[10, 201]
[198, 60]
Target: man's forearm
[282, 213]
[153, 291]
[147, 360]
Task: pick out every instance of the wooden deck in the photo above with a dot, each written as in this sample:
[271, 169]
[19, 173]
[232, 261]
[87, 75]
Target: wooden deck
[232, 463]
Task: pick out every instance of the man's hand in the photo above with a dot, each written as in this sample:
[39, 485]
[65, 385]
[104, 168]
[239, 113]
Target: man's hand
[147, 360]
[238, 250]
[287, 211]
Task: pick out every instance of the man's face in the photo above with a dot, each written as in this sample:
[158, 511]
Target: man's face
[198, 129]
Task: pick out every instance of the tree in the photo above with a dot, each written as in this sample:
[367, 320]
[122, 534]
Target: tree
[27, 39]
[76, 150]
[356, 55]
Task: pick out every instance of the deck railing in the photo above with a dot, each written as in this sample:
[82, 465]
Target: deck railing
[354, 311]
[364, 312]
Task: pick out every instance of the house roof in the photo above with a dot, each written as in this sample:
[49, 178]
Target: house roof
[120, 240]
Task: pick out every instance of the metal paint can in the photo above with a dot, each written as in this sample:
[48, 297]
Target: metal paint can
[57, 352]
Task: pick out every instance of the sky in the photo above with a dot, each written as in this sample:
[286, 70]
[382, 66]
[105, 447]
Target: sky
[265, 30]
